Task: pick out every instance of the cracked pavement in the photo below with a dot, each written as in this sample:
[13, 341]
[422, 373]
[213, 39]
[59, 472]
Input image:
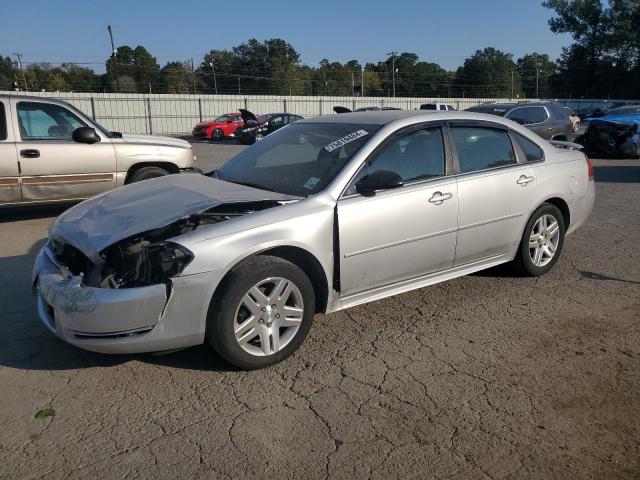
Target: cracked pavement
[487, 376]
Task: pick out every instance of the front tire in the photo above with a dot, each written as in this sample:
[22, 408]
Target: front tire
[542, 241]
[145, 173]
[217, 135]
[262, 313]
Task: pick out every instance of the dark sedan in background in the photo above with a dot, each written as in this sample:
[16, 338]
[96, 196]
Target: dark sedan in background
[548, 119]
[255, 128]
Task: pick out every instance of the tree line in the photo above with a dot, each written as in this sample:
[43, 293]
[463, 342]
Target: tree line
[602, 61]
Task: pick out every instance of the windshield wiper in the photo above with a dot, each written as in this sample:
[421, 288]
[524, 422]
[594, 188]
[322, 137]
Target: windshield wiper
[253, 185]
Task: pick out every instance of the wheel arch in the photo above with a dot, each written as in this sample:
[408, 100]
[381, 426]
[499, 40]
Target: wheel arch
[563, 206]
[300, 257]
[556, 201]
[168, 166]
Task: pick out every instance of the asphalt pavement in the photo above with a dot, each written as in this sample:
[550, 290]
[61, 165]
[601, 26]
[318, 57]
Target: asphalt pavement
[487, 376]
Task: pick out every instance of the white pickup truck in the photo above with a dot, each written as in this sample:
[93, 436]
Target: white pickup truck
[51, 152]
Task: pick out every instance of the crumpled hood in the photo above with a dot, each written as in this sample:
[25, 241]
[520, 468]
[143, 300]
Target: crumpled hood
[155, 140]
[103, 220]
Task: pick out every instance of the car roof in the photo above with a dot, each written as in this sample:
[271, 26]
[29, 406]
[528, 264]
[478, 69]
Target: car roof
[383, 117]
[36, 98]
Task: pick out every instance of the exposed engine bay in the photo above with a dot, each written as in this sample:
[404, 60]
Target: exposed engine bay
[147, 258]
[611, 139]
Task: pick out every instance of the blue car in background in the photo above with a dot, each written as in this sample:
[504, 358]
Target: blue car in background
[614, 135]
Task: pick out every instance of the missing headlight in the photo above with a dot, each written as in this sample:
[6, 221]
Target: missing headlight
[142, 263]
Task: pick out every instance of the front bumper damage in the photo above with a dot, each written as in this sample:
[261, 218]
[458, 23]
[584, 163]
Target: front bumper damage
[128, 320]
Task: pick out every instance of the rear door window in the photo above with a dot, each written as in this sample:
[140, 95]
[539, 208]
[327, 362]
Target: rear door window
[482, 148]
[519, 115]
[536, 114]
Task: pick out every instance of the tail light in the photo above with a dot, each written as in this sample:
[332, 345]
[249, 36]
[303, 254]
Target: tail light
[589, 167]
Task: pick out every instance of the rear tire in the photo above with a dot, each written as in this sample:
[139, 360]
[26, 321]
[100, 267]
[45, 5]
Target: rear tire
[145, 173]
[242, 324]
[541, 243]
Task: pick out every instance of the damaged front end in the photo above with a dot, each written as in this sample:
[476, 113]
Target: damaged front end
[147, 258]
[611, 139]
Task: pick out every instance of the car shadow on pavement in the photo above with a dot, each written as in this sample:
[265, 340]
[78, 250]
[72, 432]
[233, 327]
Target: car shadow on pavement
[617, 173]
[29, 213]
[26, 344]
[504, 270]
[226, 141]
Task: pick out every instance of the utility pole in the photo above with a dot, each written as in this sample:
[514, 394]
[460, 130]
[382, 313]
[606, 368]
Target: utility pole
[362, 83]
[114, 51]
[353, 85]
[215, 83]
[193, 76]
[537, 78]
[238, 84]
[19, 62]
[511, 84]
[393, 70]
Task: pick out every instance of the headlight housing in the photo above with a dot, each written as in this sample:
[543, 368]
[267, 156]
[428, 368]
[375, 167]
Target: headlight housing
[141, 263]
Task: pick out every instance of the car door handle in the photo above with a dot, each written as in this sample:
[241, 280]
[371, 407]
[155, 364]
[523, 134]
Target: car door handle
[524, 180]
[438, 197]
[30, 153]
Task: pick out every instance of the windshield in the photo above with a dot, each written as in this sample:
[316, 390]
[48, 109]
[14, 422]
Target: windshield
[300, 159]
[92, 121]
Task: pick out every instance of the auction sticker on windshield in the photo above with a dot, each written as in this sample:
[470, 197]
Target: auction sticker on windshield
[344, 140]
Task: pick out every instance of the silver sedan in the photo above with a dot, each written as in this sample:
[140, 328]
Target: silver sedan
[325, 214]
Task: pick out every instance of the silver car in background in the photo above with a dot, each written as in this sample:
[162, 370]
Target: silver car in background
[324, 214]
[50, 152]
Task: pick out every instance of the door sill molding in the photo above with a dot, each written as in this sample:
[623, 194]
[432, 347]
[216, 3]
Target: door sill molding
[403, 286]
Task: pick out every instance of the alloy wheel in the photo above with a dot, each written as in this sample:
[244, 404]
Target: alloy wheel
[543, 240]
[268, 316]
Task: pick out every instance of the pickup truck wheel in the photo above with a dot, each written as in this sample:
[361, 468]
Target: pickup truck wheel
[541, 242]
[145, 173]
[262, 314]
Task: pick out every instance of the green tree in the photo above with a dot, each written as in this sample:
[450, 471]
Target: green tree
[136, 64]
[604, 59]
[7, 73]
[536, 71]
[175, 77]
[80, 79]
[56, 82]
[488, 73]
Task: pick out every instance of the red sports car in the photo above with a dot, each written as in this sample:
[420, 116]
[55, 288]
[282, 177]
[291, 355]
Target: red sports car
[220, 127]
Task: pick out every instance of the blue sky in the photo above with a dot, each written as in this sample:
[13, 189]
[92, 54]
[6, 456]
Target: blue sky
[444, 32]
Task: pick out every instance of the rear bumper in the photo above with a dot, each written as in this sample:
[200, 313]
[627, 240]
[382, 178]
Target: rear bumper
[582, 208]
[128, 320]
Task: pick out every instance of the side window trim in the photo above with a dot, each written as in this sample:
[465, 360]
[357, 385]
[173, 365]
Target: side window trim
[480, 124]
[446, 144]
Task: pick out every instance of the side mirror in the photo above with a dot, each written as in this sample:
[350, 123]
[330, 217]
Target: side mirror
[229, 121]
[378, 180]
[85, 135]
